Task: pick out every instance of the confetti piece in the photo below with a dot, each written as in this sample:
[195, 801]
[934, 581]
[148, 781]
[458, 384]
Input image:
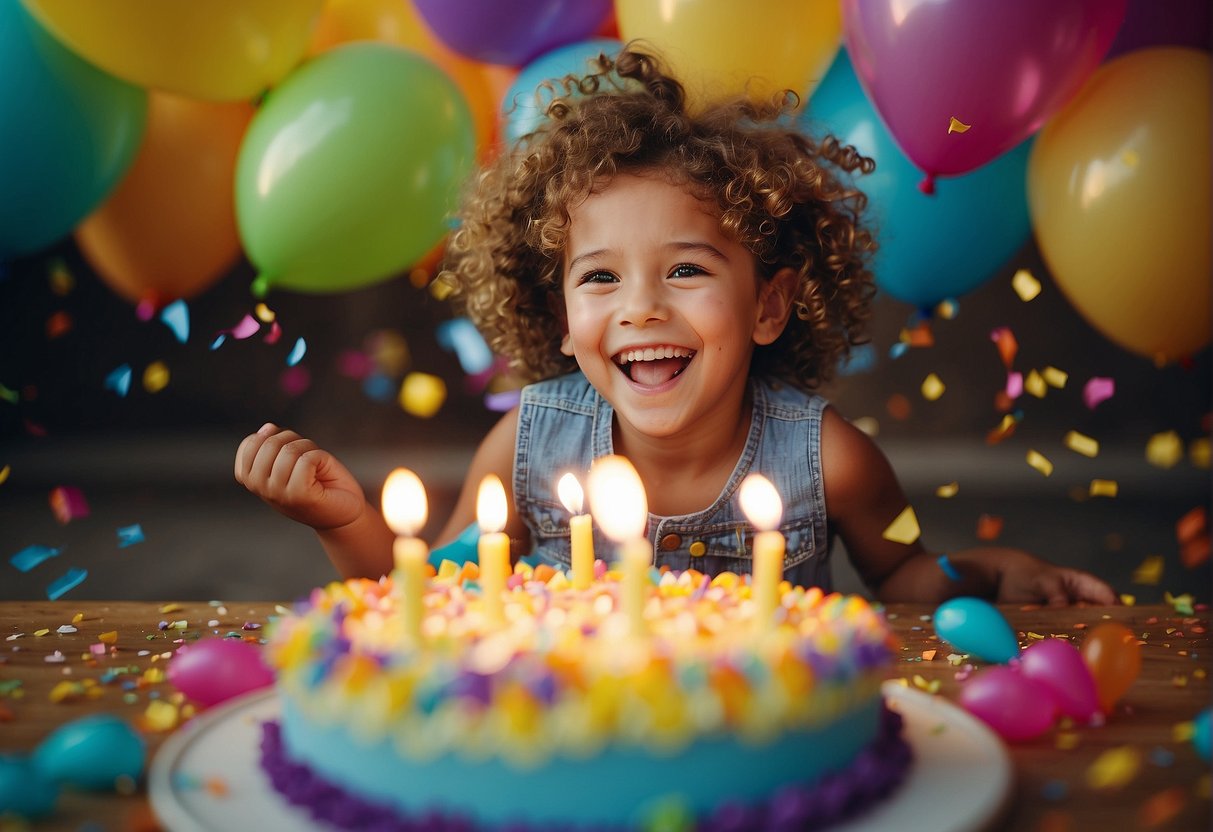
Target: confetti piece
[1081, 444]
[868, 425]
[119, 380]
[160, 716]
[898, 349]
[920, 336]
[955, 125]
[1164, 450]
[263, 313]
[442, 287]
[1149, 573]
[155, 377]
[1104, 488]
[218, 342]
[1195, 552]
[460, 336]
[1096, 390]
[60, 278]
[58, 325]
[1025, 285]
[1008, 347]
[129, 535]
[31, 556]
[1114, 768]
[899, 407]
[176, 316]
[1038, 461]
[422, 394]
[1198, 453]
[389, 350]
[1192, 525]
[67, 582]
[1055, 377]
[1181, 603]
[929, 655]
[947, 309]
[68, 503]
[1034, 383]
[247, 328]
[989, 527]
[1003, 430]
[4, 472]
[932, 388]
[904, 528]
[946, 492]
[297, 352]
[1161, 808]
[860, 359]
[274, 334]
[1127, 599]
[294, 381]
[948, 568]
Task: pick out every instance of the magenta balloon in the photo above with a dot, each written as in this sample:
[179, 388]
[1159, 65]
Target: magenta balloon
[1001, 68]
[1059, 666]
[511, 33]
[1017, 707]
[213, 670]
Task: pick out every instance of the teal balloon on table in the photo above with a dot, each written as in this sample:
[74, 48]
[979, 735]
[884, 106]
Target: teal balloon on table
[931, 247]
[525, 102]
[976, 627]
[350, 170]
[68, 133]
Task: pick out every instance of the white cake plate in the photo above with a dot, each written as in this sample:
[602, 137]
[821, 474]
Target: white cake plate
[207, 776]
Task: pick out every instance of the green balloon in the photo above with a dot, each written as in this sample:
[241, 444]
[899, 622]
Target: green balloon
[350, 168]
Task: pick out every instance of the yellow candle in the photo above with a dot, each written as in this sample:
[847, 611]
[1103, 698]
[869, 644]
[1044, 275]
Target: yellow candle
[620, 508]
[404, 509]
[761, 504]
[581, 535]
[637, 556]
[493, 547]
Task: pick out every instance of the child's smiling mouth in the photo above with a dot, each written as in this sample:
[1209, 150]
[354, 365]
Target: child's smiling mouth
[652, 366]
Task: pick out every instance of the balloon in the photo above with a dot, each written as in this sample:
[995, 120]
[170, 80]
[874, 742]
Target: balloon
[1017, 707]
[1173, 23]
[221, 50]
[974, 626]
[349, 169]
[1116, 190]
[214, 670]
[168, 230]
[92, 752]
[1202, 734]
[722, 47]
[999, 68]
[931, 248]
[512, 33]
[1058, 665]
[524, 104]
[24, 791]
[67, 134]
[1113, 656]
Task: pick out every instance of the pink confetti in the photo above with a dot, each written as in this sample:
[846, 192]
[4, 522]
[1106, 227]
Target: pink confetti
[274, 334]
[68, 503]
[1097, 390]
[354, 364]
[295, 380]
[1014, 385]
[245, 329]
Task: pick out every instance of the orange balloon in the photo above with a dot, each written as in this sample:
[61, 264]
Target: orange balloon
[168, 230]
[1113, 656]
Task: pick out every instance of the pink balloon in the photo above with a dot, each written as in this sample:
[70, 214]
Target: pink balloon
[1000, 68]
[1059, 666]
[214, 670]
[1017, 707]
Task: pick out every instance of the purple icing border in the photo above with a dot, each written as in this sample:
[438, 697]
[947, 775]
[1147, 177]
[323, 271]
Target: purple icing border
[874, 774]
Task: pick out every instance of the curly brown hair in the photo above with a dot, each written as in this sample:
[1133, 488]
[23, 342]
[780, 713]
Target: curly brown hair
[777, 192]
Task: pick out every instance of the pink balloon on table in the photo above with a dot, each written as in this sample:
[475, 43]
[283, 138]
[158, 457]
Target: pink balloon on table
[1058, 665]
[1017, 707]
[214, 670]
[1113, 656]
[999, 69]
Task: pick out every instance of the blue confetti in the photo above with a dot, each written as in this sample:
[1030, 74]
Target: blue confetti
[297, 353]
[218, 342]
[948, 567]
[31, 556]
[1162, 757]
[502, 402]
[1054, 790]
[69, 581]
[177, 318]
[459, 335]
[119, 380]
[861, 360]
[899, 349]
[129, 535]
[379, 387]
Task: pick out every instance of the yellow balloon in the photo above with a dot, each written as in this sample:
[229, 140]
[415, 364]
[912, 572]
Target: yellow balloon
[218, 50]
[720, 48]
[1118, 190]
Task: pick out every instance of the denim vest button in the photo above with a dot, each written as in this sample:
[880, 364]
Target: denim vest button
[671, 542]
[698, 549]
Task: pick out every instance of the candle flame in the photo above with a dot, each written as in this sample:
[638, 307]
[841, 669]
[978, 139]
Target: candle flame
[760, 502]
[491, 505]
[617, 498]
[569, 490]
[404, 503]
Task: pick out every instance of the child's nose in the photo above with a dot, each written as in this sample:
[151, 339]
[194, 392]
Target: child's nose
[643, 304]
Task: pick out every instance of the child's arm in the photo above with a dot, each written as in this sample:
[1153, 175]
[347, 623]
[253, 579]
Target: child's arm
[863, 497]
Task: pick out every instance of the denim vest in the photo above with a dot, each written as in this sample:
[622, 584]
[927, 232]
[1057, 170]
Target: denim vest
[563, 425]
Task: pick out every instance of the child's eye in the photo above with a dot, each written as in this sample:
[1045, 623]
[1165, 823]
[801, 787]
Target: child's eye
[686, 270]
[597, 277]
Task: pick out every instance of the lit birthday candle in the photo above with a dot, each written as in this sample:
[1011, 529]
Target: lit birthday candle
[404, 508]
[493, 548]
[580, 531]
[761, 504]
[620, 508]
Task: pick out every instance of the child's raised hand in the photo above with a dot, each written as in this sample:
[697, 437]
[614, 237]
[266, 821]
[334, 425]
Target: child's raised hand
[298, 479]
[1029, 580]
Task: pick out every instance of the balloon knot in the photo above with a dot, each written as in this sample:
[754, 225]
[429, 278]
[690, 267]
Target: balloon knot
[927, 185]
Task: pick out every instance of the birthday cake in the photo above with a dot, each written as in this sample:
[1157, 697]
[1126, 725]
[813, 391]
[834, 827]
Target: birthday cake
[551, 712]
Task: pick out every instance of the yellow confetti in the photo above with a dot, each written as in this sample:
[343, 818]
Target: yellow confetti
[167, 608]
[1164, 449]
[955, 125]
[1055, 377]
[948, 491]
[1034, 383]
[1127, 599]
[904, 528]
[160, 716]
[1038, 461]
[1104, 488]
[922, 684]
[932, 387]
[1149, 573]
[1067, 740]
[77, 618]
[868, 425]
[1025, 285]
[1198, 453]
[8, 469]
[1182, 603]
[1183, 731]
[264, 313]
[442, 287]
[153, 676]
[422, 394]
[155, 377]
[1081, 444]
[1114, 768]
[42, 632]
[108, 638]
[61, 279]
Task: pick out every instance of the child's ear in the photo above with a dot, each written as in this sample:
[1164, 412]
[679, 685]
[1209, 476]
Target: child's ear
[775, 301]
[556, 306]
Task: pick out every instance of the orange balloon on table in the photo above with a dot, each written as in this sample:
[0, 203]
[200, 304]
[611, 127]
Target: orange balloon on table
[1113, 656]
[168, 230]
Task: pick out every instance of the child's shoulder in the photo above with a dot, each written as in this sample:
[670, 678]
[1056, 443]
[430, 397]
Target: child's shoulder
[570, 389]
[783, 399]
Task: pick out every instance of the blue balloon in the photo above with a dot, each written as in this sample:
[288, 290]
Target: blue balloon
[91, 752]
[974, 626]
[68, 133]
[522, 110]
[24, 791]
[931, 247]
[1202, 734]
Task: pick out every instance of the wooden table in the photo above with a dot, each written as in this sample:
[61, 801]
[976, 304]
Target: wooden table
[1168, 791]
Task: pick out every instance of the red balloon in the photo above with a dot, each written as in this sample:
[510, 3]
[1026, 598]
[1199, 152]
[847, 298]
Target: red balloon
[1113, 656]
